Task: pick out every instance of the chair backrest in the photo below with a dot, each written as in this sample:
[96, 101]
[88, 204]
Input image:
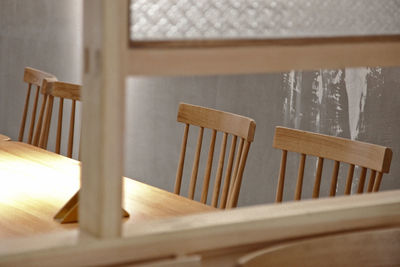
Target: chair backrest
[62, 90]
[238, 127]
[366, 156]
[367, 248]
[34, 78]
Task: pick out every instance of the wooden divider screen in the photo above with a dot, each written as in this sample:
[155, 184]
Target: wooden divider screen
[108, 59]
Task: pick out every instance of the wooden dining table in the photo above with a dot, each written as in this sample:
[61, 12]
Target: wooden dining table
[36, 183]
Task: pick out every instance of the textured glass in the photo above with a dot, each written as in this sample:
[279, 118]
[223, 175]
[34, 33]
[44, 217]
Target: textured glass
[153, 20]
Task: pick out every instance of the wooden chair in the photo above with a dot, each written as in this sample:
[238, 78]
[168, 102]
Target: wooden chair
[34, 78]
[62, 90]
[366, 248]
[229, 124]
[367, 156]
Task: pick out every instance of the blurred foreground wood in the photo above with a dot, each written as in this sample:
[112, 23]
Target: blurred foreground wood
[219, 238]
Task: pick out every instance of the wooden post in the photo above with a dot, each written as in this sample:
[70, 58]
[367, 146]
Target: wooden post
[102, 119]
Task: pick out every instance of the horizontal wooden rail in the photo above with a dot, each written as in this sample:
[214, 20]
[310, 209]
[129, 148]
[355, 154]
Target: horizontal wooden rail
[242, 227]
[309, 54]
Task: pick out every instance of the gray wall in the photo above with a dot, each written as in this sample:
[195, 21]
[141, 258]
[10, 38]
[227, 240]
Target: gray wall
[361, 104]
[42, 34]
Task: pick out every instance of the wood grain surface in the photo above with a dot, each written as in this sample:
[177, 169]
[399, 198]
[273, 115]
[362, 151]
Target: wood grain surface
[36, 183]
[363, 248]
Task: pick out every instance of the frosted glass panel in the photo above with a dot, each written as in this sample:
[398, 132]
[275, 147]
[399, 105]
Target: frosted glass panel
[155, 20]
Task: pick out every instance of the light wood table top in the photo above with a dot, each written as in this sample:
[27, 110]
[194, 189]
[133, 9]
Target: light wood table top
[35, 184]
[4, 137]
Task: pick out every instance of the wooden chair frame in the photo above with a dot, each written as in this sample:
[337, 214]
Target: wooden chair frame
[51, 89]
[229, 124]
[34, 77]
[367, 156]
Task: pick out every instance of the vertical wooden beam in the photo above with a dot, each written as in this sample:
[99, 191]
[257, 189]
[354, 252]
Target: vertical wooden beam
[105, 23]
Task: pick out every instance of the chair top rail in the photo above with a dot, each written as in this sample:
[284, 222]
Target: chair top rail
[367, 155]
[218, 120]
[62, 89]
[35, 76]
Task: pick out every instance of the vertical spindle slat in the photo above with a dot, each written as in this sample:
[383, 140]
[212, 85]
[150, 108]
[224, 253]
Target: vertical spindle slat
[207, 174]
[228, 173]
[378, 182]
[318, 175]
[71, 129]
[46, 139]
[234, 195]
[24, 114]
[193, 179]
[361, 182]
[40, 121]
[218, 177]
[335, 173]
[300, 175]
[371, 181]
[236, 167]
[33, 117]
[349, 180]
[59, 125]
[46, 128]
[178, 179]
[281, 179]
